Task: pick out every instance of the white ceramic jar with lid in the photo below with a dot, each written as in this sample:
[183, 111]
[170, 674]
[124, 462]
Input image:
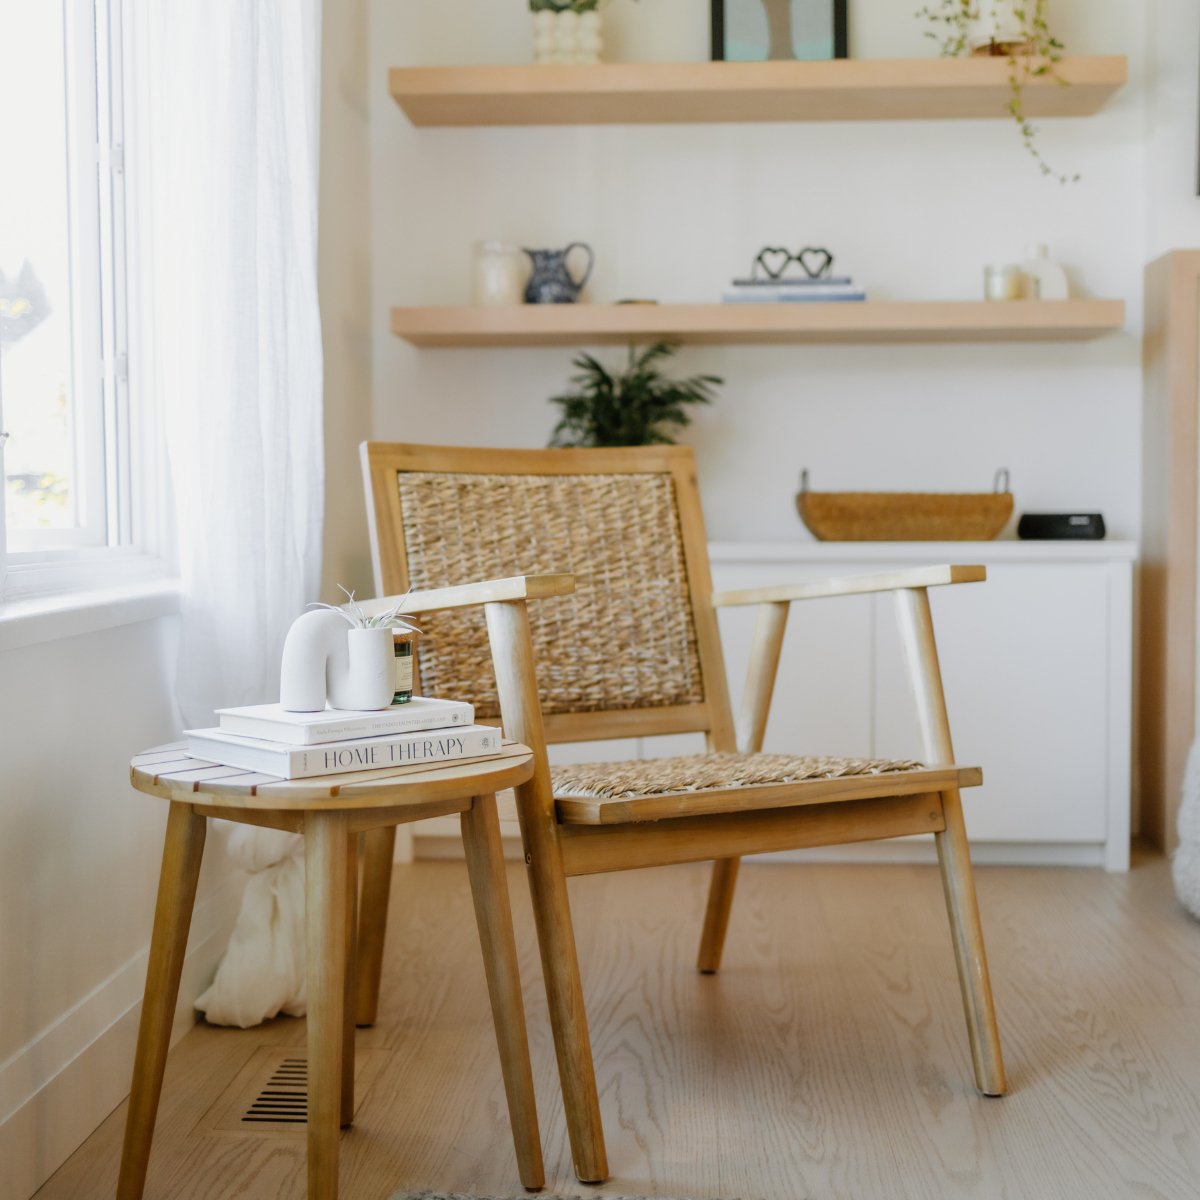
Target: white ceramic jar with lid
[500, 272]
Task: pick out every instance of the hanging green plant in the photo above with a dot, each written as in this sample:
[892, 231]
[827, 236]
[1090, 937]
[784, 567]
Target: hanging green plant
[638, 406]
[1023, 36]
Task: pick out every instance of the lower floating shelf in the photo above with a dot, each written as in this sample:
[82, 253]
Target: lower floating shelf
[760, 324]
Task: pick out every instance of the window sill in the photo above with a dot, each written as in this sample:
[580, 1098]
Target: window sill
[46, 618]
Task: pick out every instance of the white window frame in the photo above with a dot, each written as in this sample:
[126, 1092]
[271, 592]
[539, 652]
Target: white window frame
[120, 456]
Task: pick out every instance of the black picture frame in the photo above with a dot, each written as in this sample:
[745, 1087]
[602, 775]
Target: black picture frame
[838, 12]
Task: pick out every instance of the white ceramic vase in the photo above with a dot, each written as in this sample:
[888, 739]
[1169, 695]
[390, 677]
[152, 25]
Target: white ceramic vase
[997, 23]
[567, 37]
[324, 659]
[370, 676]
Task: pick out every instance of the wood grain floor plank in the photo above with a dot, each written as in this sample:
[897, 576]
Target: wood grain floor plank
[827, 1058]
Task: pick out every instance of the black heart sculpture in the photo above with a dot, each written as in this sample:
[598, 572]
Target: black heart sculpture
[769, 254]
[821, 255]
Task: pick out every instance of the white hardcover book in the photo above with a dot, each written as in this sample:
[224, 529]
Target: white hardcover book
[276, 724]
[334, 758]
[808, 282]
[834, 292]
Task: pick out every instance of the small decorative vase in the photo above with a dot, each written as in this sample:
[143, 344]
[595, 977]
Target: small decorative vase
[567, 37]
[370, 679]
[998, 29]
[1043, 279]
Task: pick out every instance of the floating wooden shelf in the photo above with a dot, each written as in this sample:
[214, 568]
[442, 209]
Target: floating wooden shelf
[654, 93]
[760, 324]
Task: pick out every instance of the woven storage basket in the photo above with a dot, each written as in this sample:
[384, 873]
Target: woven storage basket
[905, 516]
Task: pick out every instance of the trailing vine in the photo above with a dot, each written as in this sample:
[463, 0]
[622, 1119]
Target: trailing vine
[1035, 55]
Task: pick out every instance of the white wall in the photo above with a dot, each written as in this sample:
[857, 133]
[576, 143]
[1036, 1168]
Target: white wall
[344, 278]
[1174, 76]
[79, 856]
[913, 209]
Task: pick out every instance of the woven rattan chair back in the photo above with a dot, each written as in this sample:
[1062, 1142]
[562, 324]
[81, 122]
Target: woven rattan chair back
[634, 650]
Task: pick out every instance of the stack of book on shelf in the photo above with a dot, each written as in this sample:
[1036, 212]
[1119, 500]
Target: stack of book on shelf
[819, 290]
[416, 736]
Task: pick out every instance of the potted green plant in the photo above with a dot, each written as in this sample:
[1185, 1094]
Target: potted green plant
[638, 406]
[1018, 30]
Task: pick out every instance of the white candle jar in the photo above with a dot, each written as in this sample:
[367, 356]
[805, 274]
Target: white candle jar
[500, 273]
[1002, 283]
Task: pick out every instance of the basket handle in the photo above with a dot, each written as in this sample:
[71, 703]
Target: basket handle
[1001, 483]
[804, 482]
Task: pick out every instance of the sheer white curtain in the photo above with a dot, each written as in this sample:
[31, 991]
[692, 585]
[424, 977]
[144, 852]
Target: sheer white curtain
[232, 99]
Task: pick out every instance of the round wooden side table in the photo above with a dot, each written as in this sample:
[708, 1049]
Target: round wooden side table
[330, 811]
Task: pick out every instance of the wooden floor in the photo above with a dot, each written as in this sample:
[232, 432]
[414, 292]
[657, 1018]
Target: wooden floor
[828, 1059]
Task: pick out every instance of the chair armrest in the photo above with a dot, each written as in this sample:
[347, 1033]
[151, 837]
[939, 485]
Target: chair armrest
[519, 587]
[774, 606]
[854, 585]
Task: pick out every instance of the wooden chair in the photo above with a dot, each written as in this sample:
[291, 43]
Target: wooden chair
[635, 651]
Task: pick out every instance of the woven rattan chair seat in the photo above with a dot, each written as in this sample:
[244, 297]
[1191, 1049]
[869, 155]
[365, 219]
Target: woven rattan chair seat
[708, 772]
[693, 784]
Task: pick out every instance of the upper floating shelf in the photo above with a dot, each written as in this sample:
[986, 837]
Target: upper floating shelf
[656, 93]
[760, 324]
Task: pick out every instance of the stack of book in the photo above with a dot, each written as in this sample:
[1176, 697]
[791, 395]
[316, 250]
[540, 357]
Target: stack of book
[271, 741]
[822, 290]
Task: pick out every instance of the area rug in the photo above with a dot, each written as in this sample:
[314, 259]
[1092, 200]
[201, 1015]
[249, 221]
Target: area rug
[522, 1196]
[1186, 865]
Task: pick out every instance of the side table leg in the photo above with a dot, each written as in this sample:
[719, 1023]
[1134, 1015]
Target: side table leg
[378, 851]
[351, 982]
[182, 853]
[489, 890]
[326, 858]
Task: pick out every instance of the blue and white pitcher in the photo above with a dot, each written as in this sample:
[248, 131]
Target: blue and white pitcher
[551, 281]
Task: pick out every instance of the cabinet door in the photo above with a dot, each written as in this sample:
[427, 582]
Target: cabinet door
[1026, 672]
[822, 701]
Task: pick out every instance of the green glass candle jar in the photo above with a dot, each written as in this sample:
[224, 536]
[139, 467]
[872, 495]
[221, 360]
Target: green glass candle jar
[402, 645]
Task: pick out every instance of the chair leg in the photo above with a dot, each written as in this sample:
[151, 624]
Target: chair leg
[954, 856]
[516, 679]
[326, 895]
[493, 915]
[350, 981]
[716, 915]
[183, 850]
[568, 1017]
[379, 846]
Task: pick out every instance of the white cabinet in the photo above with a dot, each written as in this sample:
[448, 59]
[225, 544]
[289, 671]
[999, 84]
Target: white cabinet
[1037, 670]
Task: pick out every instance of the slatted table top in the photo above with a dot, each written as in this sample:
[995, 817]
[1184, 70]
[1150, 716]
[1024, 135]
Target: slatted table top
[432, 788]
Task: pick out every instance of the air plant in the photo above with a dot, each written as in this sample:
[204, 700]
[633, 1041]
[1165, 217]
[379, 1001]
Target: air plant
[352, 613]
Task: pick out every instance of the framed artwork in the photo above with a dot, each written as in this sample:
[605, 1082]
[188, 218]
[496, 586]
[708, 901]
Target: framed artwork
[758, 30]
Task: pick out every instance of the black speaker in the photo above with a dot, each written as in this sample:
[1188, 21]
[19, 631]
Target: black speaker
[1036, 527]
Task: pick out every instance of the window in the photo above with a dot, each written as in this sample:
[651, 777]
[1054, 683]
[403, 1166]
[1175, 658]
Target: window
[70, 492]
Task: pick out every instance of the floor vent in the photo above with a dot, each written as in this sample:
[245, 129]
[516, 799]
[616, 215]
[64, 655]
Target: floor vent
[266, 1089]
[285, 1098]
